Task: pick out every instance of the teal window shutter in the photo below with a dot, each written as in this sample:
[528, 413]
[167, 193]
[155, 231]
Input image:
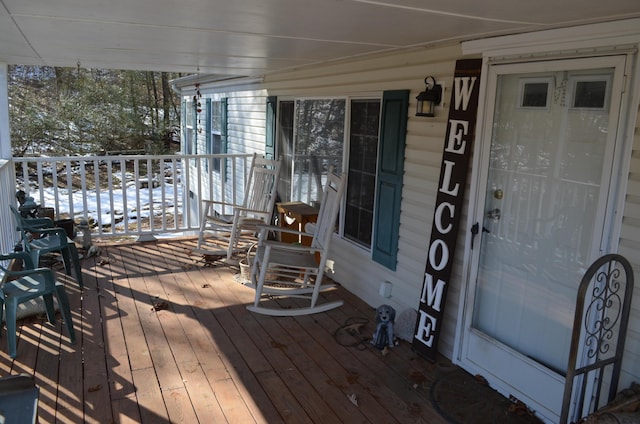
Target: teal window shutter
[223, 130]
[183, 126]
[193, 142]
[393, 134]
[270, 139]
[207, 126]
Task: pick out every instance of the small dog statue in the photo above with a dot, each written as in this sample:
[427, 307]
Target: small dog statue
[383, 336]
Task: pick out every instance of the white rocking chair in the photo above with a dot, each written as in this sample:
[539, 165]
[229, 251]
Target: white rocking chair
[294, 270]
[256, 209]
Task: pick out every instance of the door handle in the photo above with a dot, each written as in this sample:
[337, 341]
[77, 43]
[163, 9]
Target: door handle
[494, 214]
[475, 228]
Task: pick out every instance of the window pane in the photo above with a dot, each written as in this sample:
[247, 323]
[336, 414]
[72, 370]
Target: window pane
[216, 132]
[363, 153]
[284, 148]
[319, 130]
[216, 117]
[535, 94]
[189, 111]
[590, 94]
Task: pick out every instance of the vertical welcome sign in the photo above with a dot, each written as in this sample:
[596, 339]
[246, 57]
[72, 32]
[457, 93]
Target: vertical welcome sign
[446, 217]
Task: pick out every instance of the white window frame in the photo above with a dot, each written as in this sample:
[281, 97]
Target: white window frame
[345, 148]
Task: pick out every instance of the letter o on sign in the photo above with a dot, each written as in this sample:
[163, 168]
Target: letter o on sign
[438, 250]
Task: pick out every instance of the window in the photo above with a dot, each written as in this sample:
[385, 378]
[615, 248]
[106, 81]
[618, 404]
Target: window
[534, 92]
[284, 147]
[590, 92]
[369, 135]
[216, 129]
[363, 157]
[310, 140]
[189, 128]
[319, 126]
[319, 144]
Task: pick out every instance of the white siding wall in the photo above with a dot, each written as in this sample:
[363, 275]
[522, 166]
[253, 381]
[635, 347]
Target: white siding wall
[630, 248]
[353, 266]
[246, 112]
[245, 117]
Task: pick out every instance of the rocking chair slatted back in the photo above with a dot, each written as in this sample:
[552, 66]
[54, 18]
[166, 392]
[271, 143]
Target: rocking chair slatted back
[259, 197]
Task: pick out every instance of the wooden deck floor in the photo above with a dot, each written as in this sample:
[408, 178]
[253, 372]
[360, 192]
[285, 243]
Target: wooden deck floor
[205, 358]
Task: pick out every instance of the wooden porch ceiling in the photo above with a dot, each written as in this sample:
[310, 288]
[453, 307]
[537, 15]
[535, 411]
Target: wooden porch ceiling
[162, 338]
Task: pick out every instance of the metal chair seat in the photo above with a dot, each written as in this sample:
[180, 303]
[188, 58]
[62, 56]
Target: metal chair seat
[30, 283]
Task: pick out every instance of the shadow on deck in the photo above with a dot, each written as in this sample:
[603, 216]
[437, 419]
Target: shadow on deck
[163, 338]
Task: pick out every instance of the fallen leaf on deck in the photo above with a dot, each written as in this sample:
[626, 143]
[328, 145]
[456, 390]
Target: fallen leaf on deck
[158, 306]
[354, 329]
[352, 397]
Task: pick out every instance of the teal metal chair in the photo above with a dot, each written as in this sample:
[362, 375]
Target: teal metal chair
[18, 399]
[30, 283]
[41, 236]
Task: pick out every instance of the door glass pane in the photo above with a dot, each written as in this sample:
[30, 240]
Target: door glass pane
[542, 200]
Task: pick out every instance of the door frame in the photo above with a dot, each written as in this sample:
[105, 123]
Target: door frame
[610, 39]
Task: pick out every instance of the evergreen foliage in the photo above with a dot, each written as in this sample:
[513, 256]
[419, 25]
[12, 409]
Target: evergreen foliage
[74, 111]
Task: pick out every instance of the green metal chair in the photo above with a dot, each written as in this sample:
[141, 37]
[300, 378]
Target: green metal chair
[18, 399]
[41, 236]
[21, 286]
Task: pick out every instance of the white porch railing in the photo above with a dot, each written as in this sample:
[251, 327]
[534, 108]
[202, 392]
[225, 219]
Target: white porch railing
[130, 196]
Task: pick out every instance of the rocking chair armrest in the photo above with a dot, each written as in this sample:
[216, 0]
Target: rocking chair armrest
[291, 247]
[238, 209]
[272, 228]
[219, 202]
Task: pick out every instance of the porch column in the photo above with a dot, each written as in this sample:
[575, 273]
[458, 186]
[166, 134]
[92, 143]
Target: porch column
[5, 141]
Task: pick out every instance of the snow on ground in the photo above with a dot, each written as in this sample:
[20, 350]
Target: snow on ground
[136, 200]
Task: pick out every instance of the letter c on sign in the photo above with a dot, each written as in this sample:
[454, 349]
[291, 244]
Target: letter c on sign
[438, 217]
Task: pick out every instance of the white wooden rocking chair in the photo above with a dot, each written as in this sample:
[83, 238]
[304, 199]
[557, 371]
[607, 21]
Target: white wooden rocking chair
[256, 209]
[294, 270]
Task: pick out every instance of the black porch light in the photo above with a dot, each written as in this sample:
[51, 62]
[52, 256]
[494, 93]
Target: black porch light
[429, 98]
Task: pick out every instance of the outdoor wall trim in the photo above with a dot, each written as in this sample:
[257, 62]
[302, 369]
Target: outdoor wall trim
[212, 82]
[593, 36]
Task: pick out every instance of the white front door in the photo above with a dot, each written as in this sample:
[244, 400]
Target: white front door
[544, 197]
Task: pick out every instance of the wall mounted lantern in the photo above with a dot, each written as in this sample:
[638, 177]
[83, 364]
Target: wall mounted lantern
[429, 98]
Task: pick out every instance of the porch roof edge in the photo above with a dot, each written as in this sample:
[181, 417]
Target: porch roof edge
[213, 80]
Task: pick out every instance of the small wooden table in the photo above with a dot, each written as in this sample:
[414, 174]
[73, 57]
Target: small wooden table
[294, 216]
